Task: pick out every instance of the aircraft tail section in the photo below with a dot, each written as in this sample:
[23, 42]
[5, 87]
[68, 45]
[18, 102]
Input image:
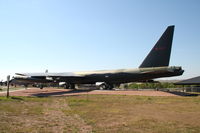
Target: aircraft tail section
[160, 54]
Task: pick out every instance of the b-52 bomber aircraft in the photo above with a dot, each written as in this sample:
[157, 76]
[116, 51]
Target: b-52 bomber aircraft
[155, 65]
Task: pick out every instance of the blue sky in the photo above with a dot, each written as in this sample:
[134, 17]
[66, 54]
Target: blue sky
[78, 35]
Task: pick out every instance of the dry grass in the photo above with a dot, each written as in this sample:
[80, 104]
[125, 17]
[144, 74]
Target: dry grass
[139, 114]
[100, 113]
[4, 88]
[43, 115]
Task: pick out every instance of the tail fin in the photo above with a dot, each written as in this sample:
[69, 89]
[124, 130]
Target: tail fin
[160, 54]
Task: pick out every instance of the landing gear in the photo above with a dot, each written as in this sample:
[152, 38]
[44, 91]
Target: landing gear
[72, 86]
[69, 86]
[66, 86]
[41, 87]
[106, 86]
[26, 86]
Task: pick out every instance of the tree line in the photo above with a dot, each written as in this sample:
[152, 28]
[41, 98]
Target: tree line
[151, 85]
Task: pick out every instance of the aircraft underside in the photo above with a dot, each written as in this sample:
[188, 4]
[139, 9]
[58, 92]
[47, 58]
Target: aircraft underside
[108, 80]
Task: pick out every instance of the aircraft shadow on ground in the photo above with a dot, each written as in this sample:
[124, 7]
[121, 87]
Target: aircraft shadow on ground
[183, 93]
[61, 93]
[80, 92]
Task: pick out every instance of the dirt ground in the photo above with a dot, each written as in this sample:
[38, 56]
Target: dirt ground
[70, 111]
[65, 92]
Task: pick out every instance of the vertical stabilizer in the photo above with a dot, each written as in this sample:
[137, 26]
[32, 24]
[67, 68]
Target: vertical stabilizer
[160, 54]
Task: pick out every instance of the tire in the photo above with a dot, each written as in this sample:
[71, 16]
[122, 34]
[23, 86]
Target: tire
[110, 86]
[66, 86]
[41, 87]
[106, 86]
[72, 86]
[103, 86]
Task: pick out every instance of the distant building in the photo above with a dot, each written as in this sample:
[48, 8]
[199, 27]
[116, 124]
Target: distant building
[194, 84]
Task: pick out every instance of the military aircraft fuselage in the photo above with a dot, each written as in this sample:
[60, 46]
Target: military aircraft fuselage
[108, 76]
[155, 65]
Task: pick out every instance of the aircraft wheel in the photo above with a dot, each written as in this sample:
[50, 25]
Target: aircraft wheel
[72, 86]
[103, 87]
[110, 86]
[106, 86]
[41, 87]
[69, 86]
[66, 86]
[116, 86]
